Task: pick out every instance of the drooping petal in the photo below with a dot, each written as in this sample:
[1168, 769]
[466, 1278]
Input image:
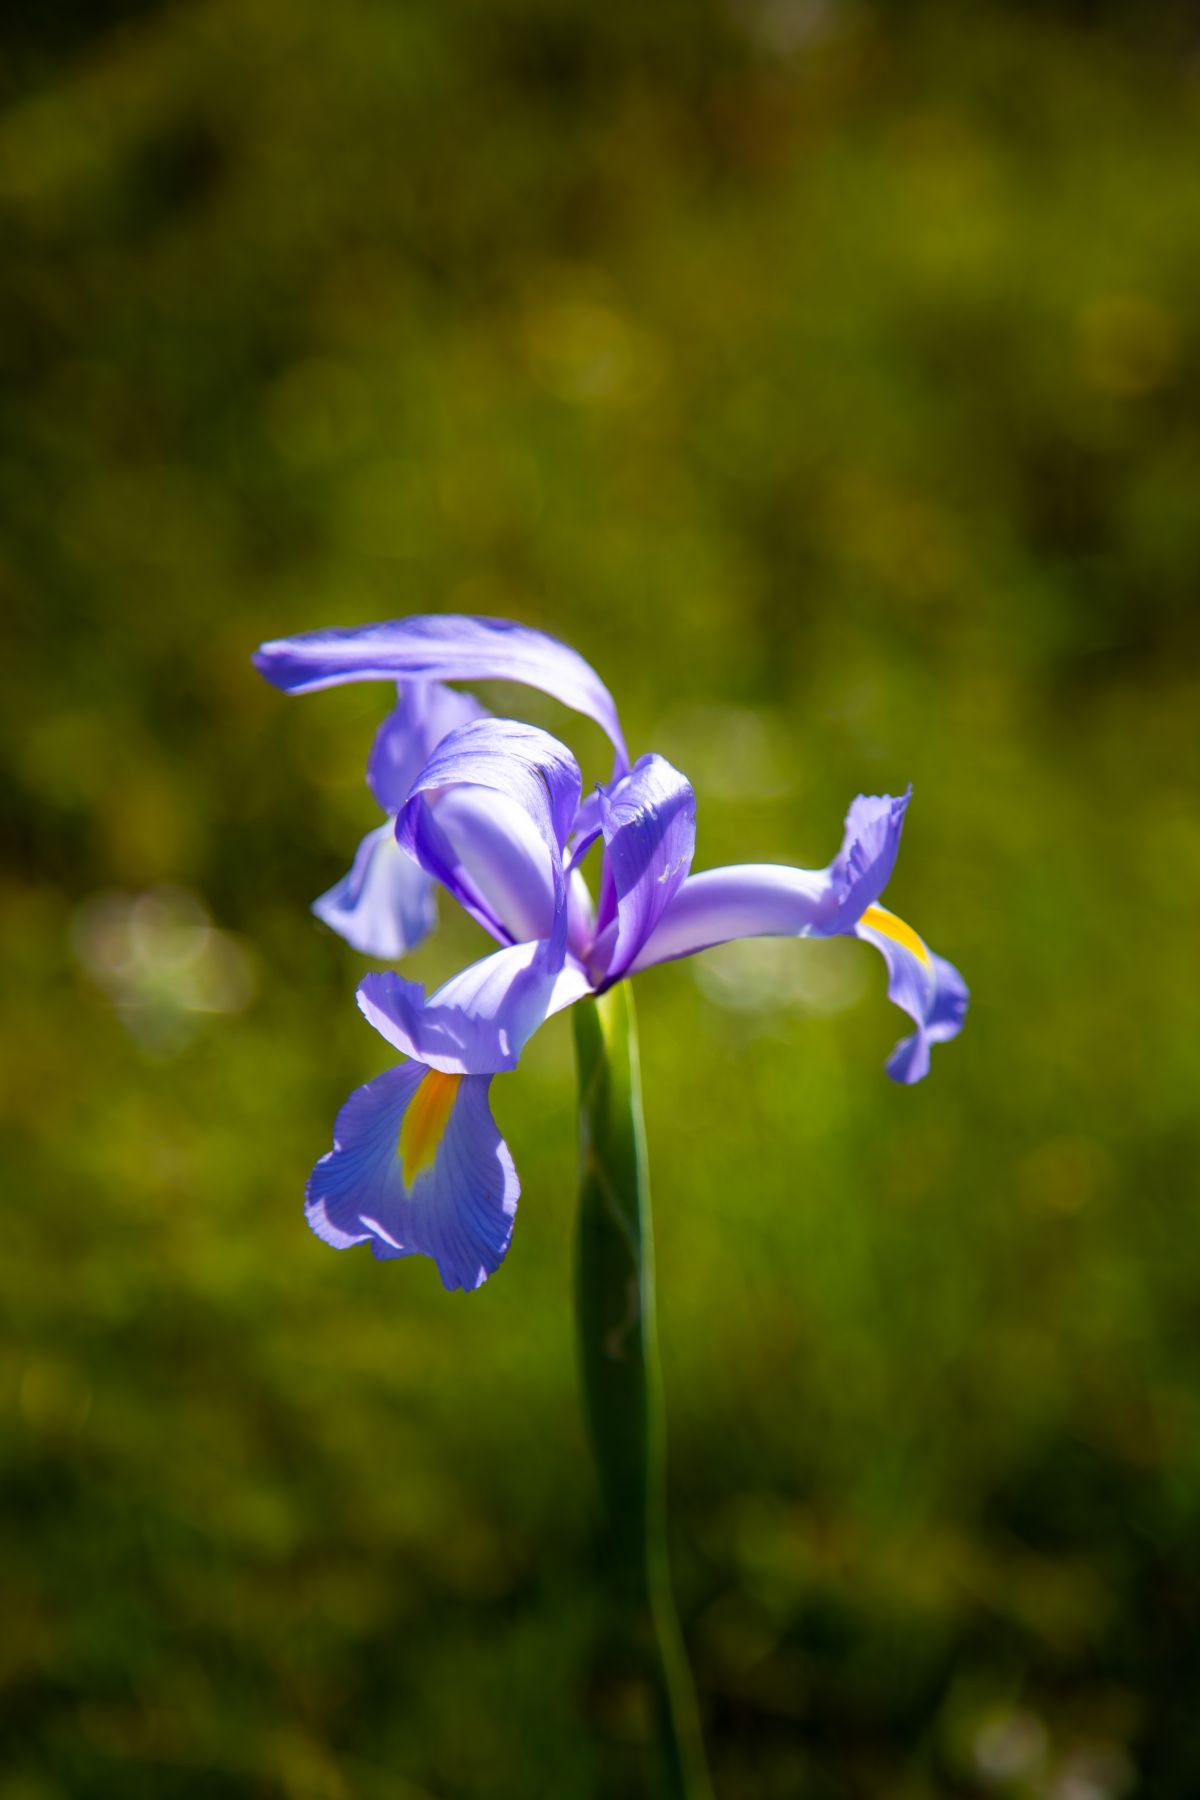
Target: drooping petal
[488, 862]
[447, 647]
[928, 988]
[384, 905]
[424, 713]
[418, 1168]
[648, 821]
[479, 1021]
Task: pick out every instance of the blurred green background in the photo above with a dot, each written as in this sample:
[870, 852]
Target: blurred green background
[828, 373]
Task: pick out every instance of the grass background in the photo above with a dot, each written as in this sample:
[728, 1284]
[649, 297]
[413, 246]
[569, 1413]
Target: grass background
[828, 373]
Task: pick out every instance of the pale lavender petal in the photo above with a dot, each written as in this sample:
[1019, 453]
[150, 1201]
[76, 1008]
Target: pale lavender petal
[499, 878]
[446, 647]
[497, 858]
[424, 713]
[586, 828]
[648, 820]
[519, 761]
[863, 866]
[571, 984]
[384, 906]
[771, 900]
[744, 900]
[478, 1022]
[581, 915]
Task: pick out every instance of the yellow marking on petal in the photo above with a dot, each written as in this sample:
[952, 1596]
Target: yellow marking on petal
[888, 925]
[424, 1124]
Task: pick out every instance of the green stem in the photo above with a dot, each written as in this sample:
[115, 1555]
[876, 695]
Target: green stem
[621, 1376]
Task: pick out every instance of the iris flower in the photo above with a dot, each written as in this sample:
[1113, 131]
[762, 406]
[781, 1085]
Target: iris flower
[492, 811]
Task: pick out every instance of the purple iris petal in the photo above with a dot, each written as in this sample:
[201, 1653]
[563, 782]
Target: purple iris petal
[478, 1022]
[586, 828]
[449, 647]
[458, 1198]
[863, 866]
[499, 877]
[424, 713]
[744, 900]
[494, 854]
[520, 761]
[771, 900]
[768, 900]
[581, 915]
[928, 988]
[384, 906]
[648, 821]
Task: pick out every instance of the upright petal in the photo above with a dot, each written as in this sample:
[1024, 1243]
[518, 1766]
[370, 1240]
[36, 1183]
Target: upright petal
[384, 906]
[418, 1168]
[489, 853]
[928, 988]
[445, 647]
[519, 761]
[648, 821]
[465, 823]
[863, 866]
[424, 713]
